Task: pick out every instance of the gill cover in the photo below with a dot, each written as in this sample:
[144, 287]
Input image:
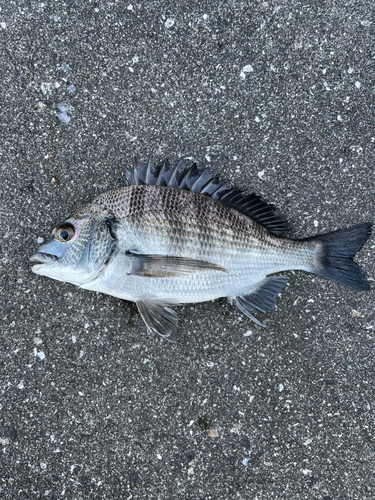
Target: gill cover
[78, 251]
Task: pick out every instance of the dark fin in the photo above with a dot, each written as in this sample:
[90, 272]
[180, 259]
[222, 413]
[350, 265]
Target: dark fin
[191, 175]
[177, 175]
[167, 266]
[189, 179]
[142, 173]
[159, 318]
[337, 252]
[263, 299]
[152, 172]
[129, 180]
[165, 174]
[200, 183]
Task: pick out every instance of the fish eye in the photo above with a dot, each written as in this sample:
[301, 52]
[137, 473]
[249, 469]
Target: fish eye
[65, 232]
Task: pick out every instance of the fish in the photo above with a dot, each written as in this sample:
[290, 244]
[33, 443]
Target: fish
[173, 235]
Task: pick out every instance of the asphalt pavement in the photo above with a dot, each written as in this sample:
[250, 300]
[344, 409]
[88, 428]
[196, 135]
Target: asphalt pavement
[278, 99]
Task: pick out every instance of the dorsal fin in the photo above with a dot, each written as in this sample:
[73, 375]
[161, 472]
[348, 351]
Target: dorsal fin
[189, 179]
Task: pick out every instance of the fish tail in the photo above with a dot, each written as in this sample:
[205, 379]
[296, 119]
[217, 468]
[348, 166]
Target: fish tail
[336, 250]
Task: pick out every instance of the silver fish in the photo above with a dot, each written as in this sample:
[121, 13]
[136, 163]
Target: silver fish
[174, 236]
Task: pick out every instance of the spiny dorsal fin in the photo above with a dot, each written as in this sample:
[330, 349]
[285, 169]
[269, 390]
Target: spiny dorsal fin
[189, 179]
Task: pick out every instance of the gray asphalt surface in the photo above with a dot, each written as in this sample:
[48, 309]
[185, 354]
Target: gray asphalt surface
[276, 97]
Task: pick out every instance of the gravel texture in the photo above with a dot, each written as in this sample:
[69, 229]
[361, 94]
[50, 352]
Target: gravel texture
[276, 97]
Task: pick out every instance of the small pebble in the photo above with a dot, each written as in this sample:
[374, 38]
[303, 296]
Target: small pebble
[245, 461]
[41, 355]
[40, 106]
[64, 107]
[63, 117]
[3, 25]
[281, 387]
[366, 23]
[39, 240]
[74, 339]
[169, 23]
[65, 67]
[248, 68]
[358, 85]
[306, 472]
[213, 433]
[71, 88]
[46, 88]
[316, 223]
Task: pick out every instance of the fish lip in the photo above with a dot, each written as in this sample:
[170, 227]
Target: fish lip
[43, 258]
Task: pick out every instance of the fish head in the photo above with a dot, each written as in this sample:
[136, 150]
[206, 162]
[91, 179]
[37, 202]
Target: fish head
[80, 247]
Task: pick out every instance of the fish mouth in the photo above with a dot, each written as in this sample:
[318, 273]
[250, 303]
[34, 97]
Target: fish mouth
[43, 258]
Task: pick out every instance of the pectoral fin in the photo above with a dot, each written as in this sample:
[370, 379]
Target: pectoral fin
[167, 266]
[159, 318]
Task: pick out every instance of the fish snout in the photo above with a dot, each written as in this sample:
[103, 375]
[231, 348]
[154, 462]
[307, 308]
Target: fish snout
[43, 258]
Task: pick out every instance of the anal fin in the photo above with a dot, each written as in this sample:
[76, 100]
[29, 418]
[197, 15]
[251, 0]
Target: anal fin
[159, 318]
[262, 299]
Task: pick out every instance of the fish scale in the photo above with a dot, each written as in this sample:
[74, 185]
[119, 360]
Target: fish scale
[175, 236]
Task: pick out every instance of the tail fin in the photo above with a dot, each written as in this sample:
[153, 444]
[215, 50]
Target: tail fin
[337, 252]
